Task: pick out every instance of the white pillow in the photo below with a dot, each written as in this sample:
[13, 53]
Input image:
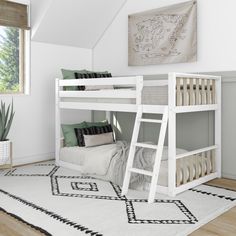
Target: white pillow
[98, 139]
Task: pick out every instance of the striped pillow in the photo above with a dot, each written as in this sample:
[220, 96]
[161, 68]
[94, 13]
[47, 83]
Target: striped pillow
[103, 129]
[80, 134]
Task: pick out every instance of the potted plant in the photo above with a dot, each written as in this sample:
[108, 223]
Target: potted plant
[6, 117]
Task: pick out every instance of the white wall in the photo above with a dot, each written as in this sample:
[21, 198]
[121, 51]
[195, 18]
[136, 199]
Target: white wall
[32, 132]
[216, 39]
[216, 52]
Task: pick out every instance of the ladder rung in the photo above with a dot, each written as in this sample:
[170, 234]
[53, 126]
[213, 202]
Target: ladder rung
[145, 145]
[139, 171]
[151, 121]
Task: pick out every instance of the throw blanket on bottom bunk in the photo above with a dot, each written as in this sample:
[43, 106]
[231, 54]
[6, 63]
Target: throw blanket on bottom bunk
[110, 164]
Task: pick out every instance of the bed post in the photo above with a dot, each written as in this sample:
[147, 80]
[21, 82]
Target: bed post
[57, 122]
[218, 127]
[108, 116]
[172, 134]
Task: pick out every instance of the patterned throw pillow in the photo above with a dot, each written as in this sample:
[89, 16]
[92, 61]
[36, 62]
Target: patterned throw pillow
[80, 134]
[90, 75]
[103, 129]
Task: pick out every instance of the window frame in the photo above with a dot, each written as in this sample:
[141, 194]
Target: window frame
[24, 53]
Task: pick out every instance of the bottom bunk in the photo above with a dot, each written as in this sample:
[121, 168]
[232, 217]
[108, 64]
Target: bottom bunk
[108, 162]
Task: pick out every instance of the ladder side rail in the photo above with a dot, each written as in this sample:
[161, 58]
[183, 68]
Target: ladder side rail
[129, 165]
[131, 155]
[158, 156]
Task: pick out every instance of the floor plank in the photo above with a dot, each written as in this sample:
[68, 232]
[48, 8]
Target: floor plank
[9, 226]
[223, 225]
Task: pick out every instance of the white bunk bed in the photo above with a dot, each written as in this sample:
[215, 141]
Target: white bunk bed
[186, 93]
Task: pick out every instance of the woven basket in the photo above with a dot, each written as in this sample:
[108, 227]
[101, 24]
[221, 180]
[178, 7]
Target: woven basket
[4, 152]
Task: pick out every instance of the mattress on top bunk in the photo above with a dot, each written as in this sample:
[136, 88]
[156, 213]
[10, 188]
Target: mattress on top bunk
[156, 95]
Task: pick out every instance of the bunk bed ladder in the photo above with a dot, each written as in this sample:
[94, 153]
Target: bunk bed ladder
[159, 149]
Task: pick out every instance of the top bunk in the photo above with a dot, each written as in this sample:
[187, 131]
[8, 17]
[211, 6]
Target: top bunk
[180, 92]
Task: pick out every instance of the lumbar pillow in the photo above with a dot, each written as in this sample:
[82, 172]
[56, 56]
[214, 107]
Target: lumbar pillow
[80, 132]
[98, 139]
[69, 133]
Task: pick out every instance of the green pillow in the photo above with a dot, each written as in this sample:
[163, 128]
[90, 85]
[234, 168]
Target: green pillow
[69, 133]
[70, 74]
[99, 124]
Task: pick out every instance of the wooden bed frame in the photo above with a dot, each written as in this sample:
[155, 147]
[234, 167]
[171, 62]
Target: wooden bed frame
[186, 93]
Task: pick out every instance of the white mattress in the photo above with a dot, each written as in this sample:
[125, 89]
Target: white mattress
[76, 155]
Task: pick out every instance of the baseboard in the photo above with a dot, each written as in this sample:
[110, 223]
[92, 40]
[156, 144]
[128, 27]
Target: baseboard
[33, 158]
[228, 176]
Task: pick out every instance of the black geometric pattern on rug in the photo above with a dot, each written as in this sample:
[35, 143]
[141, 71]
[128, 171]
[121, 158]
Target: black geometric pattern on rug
[44, 164]
[24, 222]
[213, 194]
[220, 187]
[84, 186]
[52, 215]
[52, 172]
[130, 209]
[56, 190]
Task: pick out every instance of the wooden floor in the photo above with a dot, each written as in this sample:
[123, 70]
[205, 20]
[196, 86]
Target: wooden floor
[224, 225]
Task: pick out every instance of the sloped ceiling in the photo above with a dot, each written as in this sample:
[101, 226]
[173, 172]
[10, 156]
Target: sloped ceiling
[79, 23]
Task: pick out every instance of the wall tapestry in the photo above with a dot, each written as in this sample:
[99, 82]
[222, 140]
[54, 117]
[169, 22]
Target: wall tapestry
[164, 35]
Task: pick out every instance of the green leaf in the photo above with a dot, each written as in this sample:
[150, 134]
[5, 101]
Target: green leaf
[6, 118]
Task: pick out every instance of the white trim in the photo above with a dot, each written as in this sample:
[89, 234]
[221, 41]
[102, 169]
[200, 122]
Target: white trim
[196, 152]
[195, 108]
[69, 165]
[228, 176]
[196, 76]
[101, 81]
[33, 158]
[172, 135]
[218, 128]
[195, 183]
[118, 93]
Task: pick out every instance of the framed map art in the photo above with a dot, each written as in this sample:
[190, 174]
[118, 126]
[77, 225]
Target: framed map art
[164, 35]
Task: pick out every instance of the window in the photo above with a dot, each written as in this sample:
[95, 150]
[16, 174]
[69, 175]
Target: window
[14, 31]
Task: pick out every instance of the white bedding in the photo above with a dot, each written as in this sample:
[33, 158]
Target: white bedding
[96, 160]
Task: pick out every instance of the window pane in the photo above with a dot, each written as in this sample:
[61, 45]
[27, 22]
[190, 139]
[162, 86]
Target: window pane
[9, 59]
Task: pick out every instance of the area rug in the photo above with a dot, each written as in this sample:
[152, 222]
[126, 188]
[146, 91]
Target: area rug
[60, 202]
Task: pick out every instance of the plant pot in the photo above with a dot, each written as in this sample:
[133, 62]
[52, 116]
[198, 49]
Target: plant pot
[5, 151]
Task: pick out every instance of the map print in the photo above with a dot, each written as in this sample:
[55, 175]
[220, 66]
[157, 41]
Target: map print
[166, 35]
